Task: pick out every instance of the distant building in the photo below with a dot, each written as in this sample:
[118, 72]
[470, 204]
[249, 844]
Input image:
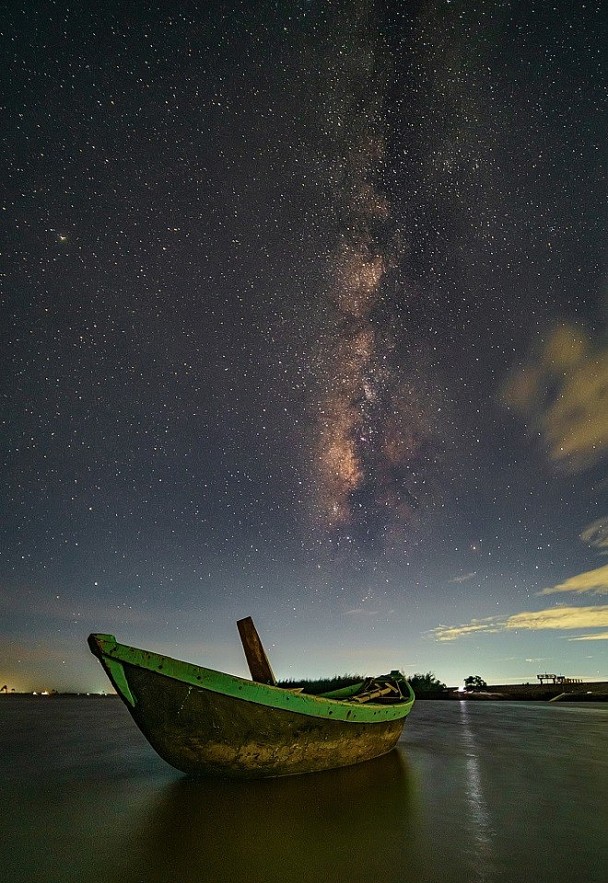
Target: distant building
[558, 679]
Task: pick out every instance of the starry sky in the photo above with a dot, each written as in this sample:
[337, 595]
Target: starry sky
[305, 315]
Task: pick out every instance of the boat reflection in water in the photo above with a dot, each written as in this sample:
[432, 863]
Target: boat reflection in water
[348, 824]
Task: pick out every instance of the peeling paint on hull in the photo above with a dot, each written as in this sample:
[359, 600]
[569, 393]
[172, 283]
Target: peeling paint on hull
[203, 731]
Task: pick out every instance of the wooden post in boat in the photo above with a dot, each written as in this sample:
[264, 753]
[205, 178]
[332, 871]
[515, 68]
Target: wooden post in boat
[257, 660]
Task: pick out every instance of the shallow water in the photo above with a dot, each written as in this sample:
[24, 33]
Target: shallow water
[476, 791]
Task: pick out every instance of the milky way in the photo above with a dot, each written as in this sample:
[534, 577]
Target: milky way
[373, 432]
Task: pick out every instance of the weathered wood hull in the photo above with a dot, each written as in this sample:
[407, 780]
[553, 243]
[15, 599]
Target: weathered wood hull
[201, 730]
[198, 731]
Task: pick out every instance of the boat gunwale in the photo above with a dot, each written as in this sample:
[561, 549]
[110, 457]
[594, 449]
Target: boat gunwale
[105, 645]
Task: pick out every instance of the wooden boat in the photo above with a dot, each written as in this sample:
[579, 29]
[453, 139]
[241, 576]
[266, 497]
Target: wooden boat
[205, 722]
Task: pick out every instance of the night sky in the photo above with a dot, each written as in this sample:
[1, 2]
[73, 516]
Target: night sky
[305, 314]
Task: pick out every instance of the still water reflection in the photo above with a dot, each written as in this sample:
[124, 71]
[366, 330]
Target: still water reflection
[487, 792]
[481, 836]
[308, 828]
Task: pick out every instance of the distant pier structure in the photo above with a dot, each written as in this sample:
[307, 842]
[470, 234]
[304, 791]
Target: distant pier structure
[558, 679]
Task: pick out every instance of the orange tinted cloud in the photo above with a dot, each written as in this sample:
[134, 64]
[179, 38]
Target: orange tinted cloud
[593, 581]
[560, 618]
[553, 618]
[563, 394]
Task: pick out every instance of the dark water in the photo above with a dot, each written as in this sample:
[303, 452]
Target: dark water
[476, 792]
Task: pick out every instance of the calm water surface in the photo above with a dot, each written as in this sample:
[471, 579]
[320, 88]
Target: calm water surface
[483, 792]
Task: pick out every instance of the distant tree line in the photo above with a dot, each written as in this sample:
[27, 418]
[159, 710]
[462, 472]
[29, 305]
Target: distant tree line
[427, 684]
[423, 685]
[323, 685]
[474, 682]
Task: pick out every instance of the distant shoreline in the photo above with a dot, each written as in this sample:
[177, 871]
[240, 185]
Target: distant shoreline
[57, 695]
[593, 691]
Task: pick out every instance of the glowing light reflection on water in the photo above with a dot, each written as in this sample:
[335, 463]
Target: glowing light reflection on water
[480, 827]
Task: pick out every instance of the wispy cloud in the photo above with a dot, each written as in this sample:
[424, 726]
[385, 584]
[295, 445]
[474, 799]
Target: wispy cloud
[489, 625]
[602, 636]
[593, 581]
[28, 650]
[554, 618]
[464, 578]
[560, 618]
[596, 533]
[94, 611]
[562, 393]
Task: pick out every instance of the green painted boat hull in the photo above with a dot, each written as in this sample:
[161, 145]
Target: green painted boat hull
[204, 722]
